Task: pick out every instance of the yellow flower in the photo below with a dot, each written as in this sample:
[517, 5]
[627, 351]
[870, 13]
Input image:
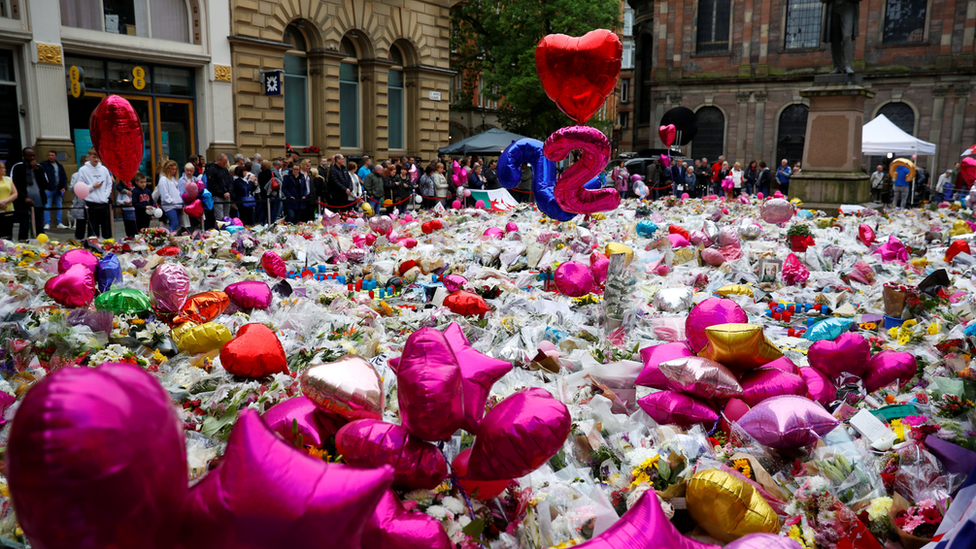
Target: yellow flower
[742, 466]
[870, 326]
[137, 321]
[796, 535]
[317, 453]
[903, 340]
[642, 474]
[443, 488]
[909, 323]
[878, 508]
[892, 333]
[934, 329]
[4, 490]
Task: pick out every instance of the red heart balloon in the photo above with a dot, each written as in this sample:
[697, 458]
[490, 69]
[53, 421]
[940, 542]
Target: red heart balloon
[956, 248]
[116, 133]
[436, 224]
[255, 352]
[195, 209]
[667, 133]
[274, 265]
[74, 288]
[483, 490]
[969, 169]
[466, 303]
[168, 251]
[579, 73]
[865, 234]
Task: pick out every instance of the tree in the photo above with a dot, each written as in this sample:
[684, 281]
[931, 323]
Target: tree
[496, 39]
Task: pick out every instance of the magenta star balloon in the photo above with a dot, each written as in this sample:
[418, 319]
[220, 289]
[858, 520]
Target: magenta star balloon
[393, 527]
[96, 458]
[653, 356]
[429, 387]
[787, 422]
[519, 435]
[644, 526]
[478, 373]
[266, 494]
[368, 443]
[299, 415]
[763, 383]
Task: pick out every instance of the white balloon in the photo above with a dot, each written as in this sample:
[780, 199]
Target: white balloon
[157, 213]
[419, 199]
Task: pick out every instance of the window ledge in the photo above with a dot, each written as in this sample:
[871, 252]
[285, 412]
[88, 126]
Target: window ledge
[801, 50]
[926, 43]
[723, 54]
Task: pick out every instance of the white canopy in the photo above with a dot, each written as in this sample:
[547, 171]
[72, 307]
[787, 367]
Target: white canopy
[880, 136]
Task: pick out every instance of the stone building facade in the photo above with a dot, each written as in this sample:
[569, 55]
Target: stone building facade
[740, 64]
[359, 77]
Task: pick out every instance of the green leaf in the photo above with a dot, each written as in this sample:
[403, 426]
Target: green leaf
[663, 469]
[475, 528]
[211, 425]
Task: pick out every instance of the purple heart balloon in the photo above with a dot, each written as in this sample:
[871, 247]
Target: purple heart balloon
[653, 356]
[169, 286]
[265, 494]
[712, 311]
[368, 443]
[887, 367]
[429, 387]
[301, 414]
[701, 377]
[644, 526]
[787, 422]
[758, 385]
[671, 408]
[849, 353]
[478, 373]
[819, 386]
[393, 527]
[96, 458]
[250, 294]
[518, 436]
[74, 288]
[76, 256]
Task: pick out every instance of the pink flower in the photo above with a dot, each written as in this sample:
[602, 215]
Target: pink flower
[914, 420]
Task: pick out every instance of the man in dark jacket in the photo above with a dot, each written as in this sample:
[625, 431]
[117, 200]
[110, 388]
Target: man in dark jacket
[58, 180]
[373, 187]
[339, 182]
[31, 183]
[490, 176]
[220, 183]
[703, 174]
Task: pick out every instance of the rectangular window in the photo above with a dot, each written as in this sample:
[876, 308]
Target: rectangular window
[481, 92]
[173, 81]
[628, 22]
[348, 105]
[81, 15]
[397, 107]
[627, 59]
[713, 26]
[803, 24]
[122, 77]
[296, 101]
[625, 90]
[120, 16]
[905, 21]
[623, 119]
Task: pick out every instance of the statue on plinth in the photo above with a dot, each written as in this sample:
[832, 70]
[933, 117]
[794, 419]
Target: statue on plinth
[840, 30]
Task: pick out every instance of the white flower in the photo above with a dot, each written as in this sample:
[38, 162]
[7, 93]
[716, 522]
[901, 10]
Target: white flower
[453, 505]
[640, 455]
[817, 484]
[439, 512]
[422, 497]
[464, 520]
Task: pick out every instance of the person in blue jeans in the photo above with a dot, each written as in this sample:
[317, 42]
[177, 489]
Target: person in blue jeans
[783, 175]
[58, 181]
[900, 196]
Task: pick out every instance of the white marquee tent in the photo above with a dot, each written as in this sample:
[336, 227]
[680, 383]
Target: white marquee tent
[880, 137]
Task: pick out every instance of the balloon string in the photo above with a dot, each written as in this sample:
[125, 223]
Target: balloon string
[717, 421]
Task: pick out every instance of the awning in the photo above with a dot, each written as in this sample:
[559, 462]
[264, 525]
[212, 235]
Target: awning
[880, 137]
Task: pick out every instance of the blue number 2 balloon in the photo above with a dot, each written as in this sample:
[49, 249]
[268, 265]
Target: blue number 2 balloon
[529, 151]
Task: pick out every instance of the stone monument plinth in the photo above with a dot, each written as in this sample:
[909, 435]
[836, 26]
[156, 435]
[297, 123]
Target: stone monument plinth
[831, 174]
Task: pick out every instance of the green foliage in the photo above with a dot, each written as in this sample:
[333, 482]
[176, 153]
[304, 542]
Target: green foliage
[498, 39]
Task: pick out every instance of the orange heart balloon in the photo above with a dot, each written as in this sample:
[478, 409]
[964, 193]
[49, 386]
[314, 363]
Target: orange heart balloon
[255, 352]
[203, 307]
[579, 73]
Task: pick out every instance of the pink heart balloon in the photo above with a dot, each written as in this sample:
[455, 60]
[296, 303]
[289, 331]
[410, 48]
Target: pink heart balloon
[849, 352]
[819, 386]
[76, 256]
[760, 540]
[265, 494]
[478, 373]
[714, 310]
[644, 526]
[653, 356]
[453, 282]
[192, 192]
[758, 385]
[711, 256]
[274, 265]
[700, 377]
[116, 133]
[74, 288]
[393, 527]
[600, 265]
[169, 286]
[667, 133]
[573, 279]
[494, 232]
[429, 386]
[511, 227]
[672, 408]
[887, 367]
[194, 208]
[783, 364]
[96, 458]
[678, 241]
[787, 422]
[519, 435]
[300, 416]
[369, 443]
[250, 294]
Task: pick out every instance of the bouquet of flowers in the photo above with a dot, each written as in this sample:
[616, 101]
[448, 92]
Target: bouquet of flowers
[834, 525]
[915, 524]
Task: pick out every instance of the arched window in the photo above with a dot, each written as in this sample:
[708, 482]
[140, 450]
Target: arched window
[397, 99]
[792, 133]
[297, 115]
[710, 140]
[901, 115]
[349, 95]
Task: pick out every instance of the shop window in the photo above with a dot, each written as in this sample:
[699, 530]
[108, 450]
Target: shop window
[170, 20]
[792, 133]
[120, 16]
[901, 115]
[129, 77]
[713, 26]
[803, 24]
[173, 81]
[397, 99]
[94, 72]
[710, 140]
[904, 21]
[349, 105]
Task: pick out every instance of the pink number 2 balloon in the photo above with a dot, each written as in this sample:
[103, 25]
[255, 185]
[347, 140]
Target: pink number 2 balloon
[570, 193]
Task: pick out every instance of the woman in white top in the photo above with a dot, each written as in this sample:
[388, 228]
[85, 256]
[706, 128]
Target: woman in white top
[440, 183]
[188, 177]
[169, 195]
[736, 174]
